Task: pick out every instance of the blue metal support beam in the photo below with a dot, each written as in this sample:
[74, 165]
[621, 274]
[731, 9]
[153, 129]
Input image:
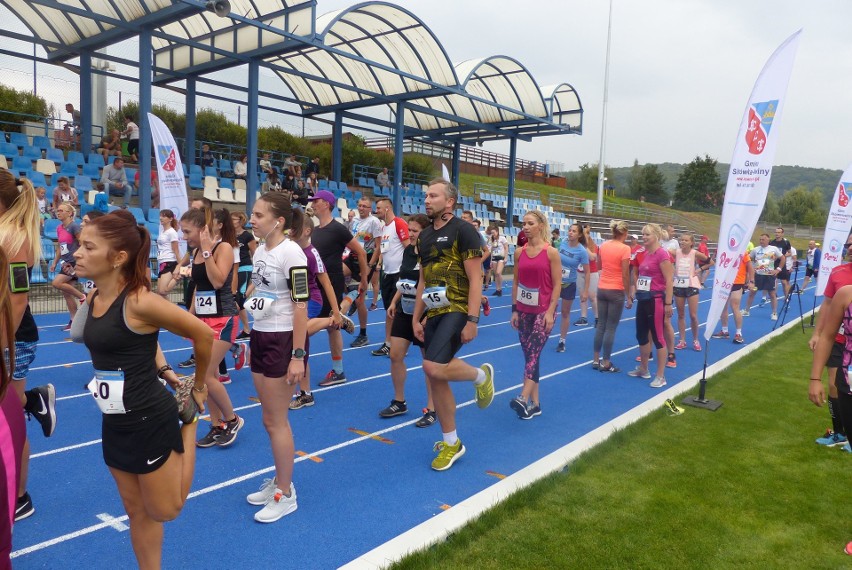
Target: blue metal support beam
[513, 158]
[399, 142]
[144, 127]
[189, 131]
[86, 103]
[253, 182]
[456, 163]
[337, 147]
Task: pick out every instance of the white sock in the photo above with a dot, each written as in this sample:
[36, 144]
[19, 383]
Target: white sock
[725, 330]
[739, 331]
[480, 377]
[451, 438]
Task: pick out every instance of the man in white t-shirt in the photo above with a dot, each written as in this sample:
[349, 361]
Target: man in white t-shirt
[367, 229]
[131, 132]
[467, 216]
[764, 257]
[394, 240]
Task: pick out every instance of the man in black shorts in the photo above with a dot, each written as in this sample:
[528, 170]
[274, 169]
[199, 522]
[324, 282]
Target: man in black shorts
[450, 261]
[784, 245]
[330, 238]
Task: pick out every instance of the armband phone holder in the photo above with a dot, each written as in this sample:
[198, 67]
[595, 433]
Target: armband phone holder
[299, 289]
[19, 277]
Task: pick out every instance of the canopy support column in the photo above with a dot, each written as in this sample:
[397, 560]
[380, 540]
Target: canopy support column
[337, 147]
[253, 179]
[513, 157]
[398, 146]
[189, 156]
[85, 104]
[145, 68]
[456, 163]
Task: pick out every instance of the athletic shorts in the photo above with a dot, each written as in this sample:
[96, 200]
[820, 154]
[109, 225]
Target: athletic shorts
[224, 328]
[141, 441]
[835, 359]
[764, 282]
[685, 292]
[593, 282]
[442, 335]
[388, 288]
[339, 285]
[486, 265]
[738, 287]
[402, 327]
[271, 352]
[568, 292]
[314, 308]
[810, 271]
[784, 274]
[497, 258]
[166, 267]
[133, 146]
[25, 353]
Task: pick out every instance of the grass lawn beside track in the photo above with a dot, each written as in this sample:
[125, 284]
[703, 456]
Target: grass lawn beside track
[743, 487]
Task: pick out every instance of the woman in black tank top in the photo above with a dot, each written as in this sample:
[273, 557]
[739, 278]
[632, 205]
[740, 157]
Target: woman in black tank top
[144, 444]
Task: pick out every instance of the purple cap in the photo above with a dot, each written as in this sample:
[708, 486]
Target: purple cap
[324, 195]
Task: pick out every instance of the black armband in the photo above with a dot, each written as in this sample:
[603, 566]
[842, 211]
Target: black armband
[514, 308]
[298, 282]
[19, 277]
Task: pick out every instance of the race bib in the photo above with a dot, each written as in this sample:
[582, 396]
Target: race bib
[260, 304]
[643, 283]
[205, 303]
[408, 289]
[88, 286]
[63, 249]
[527, 297]
[436, 297]
[107, 387]
[566, 274]
[681, 282]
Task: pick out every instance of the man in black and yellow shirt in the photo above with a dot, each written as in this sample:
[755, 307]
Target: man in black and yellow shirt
[450, 260]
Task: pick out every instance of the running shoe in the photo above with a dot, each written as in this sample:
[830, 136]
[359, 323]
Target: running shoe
[333, 379]
[209, 440]
[582, 321]
[596, 364]
[535, 410]
[485, 391]
[848, 549]
[680, 345]
[696, 346]
[650, 358]
[347, 324]
[45, 412]
[360, 340]
[187, 408]
[67, 327]
[846, 448]
[278, 506]
[303, 400]
[383, 350]
[671, 362]
[831, 439]
[763, 301]
[244, 335]
[610, 368]
[396, 408]
[229, 434]
[240, 352]
[486, 306]
[639, 373]
[225, 378]
[672, 409]
[721, 334]
[561, 346]
[373, 306]
[447, 455]
[188, 363]
[745, 313]
[657, 382]
[521, 407]
[497, 293]
[266, 492]
[738, 339]
[774, 317]
[24, 507]
[429, 418]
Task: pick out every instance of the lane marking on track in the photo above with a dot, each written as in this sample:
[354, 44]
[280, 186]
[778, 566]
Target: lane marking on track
[495, 474]
[310, 456]
[114, 522]
[371, 436]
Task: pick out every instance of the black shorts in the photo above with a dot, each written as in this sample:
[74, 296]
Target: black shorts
[486, 263]
[133, 146]
[401, 327]
[141, 441]
[764, 282]
[810, 271]
[784, 275]
[685, 292]
[442, 335]
[835, 359]
[271, 352]
[388, 288]
[354, 267]
[739, 287]
[497, 258]
[338, 283]
[568, 292]
[166, 267]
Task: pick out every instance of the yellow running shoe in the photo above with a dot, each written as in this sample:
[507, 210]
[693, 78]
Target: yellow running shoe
[485, 391]
[447, 455]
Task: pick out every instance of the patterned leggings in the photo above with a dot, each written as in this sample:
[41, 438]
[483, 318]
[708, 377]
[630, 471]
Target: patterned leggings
[533, 336]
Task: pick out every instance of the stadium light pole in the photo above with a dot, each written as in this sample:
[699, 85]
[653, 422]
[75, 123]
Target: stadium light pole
[603, 120]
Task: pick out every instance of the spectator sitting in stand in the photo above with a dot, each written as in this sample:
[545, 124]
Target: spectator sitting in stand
[207, 158]
[64, 193]
[114, 181]
[382, 180]
[291, 163]
[265, 165]
[273, 183]
[312, 167]
[241, 167]
[312, 183]
[155, 187]
[110, 145]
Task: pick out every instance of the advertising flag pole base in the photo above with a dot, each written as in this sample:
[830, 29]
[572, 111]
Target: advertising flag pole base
[700, 401]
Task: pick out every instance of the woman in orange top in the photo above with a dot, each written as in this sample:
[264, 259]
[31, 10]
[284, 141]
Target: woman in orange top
[744, 272]
[613, 285]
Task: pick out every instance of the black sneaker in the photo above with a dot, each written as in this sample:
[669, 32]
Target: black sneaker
[360, 340]
[383, 350]
[303, 400]
[24, 507]
[43, 407]
[333, 379]
[243, 335]
[188, 363]
[429, 418]
[396, 408]
[229, 434]
[581, 322]
[209, 440]
[561, 346]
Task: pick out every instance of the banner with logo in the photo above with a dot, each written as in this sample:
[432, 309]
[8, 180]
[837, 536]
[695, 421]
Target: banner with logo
[837, 229]
[169, 171]
[751, 168]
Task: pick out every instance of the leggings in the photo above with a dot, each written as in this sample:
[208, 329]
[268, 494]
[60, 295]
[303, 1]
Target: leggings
[649, 320]
[610, 306]
[533, 336]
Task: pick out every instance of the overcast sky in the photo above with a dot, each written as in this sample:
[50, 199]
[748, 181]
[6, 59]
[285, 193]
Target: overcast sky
[680, 76]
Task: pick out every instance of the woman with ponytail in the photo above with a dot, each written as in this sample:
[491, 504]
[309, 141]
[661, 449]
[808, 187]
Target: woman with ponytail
[68, 233]
[168, 253]
[148, 438]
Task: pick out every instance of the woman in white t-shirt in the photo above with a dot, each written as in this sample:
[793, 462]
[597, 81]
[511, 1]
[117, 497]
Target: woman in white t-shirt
[168, 253]
[499, 247]
[279, 341]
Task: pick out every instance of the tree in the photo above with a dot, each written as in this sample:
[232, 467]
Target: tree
[803, 206]
[633, 181]
[648, 183]
[586, 180]
[771, 211]
[699, 186]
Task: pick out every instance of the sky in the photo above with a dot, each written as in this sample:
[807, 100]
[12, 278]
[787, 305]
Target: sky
[681, 72]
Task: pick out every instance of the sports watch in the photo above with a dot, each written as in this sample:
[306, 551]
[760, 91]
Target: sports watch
[299, 353]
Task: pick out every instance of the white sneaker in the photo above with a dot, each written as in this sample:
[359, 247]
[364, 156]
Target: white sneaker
[774, 316]
[745, 313]
[658, 382]
[266, 492]
[278, 506]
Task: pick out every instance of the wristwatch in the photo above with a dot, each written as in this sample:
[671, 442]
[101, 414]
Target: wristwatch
[206, 254]
[299, 353]
[472, 319]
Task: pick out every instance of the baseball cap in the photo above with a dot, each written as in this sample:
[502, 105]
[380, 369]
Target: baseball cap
[634, 236]
[324, 195]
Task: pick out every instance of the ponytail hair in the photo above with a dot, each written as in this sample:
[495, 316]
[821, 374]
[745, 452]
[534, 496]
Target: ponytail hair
[21, 222]
[7, 332]
[171, 216]
[300, 221]
[618, 228]
[228, 233]
[121, 232]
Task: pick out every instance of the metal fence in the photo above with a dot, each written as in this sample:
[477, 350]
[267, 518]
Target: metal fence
[44, 299]
[792, 230]
[572, 204]
[504, 191]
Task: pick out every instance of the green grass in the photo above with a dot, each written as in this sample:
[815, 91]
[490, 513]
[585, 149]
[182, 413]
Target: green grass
[743, 487]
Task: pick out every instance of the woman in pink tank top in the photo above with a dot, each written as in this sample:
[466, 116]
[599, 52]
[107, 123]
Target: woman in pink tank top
[686, 288]
[538, 268]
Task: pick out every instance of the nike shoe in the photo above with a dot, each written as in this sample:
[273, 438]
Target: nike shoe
[360, 340]
[24, 507]
[831, 439]
[680, 345]
[229, 434]
[657, 382]
[43, 407]
[333, 379]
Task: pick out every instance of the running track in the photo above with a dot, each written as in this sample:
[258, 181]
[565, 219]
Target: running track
[361, 480]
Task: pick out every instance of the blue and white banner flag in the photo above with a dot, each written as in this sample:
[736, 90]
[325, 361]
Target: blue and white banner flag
[837, 228]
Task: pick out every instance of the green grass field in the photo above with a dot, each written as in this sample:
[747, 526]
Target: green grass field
[743, 487]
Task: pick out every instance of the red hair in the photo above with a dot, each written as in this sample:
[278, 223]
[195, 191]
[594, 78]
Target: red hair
[122, 233]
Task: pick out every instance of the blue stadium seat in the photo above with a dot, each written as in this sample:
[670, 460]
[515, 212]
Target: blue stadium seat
[20, 140]
[76, 157]
[196, 168]
[96, 158]
[185, 169]
[37, 277]
[110, 159]
[224, 165]
[85, 208]
[42, 142]
[91, 170]
[211, 171]
[154, 230]
[226, 183]
[154, 215]
[362, 181]
[196, 181]
[343, 187]
[21, 163]
[50, 233]
[37, 178]
[32, 152]
[333, 185]
[82, 183]
[8, 150]
[131, 174]
[68, 169]
[322, 184]
[138, 214]
[56, 155]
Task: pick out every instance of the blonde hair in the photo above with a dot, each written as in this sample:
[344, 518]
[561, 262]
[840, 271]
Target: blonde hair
[21, 222]
[654, 229]
[543, 223]
[68, 206]
[618, 227]
[8, 329]
[690, 236]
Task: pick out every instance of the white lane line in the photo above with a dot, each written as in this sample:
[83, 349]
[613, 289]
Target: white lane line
[114, 522]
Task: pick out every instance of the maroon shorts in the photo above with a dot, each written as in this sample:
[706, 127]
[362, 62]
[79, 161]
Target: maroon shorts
[271, 351]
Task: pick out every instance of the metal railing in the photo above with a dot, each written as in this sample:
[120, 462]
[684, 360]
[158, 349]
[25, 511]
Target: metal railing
[408, 178]
[621, 211]
[504, 191]
[792, 230]
[232, 152]
[59, 131]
